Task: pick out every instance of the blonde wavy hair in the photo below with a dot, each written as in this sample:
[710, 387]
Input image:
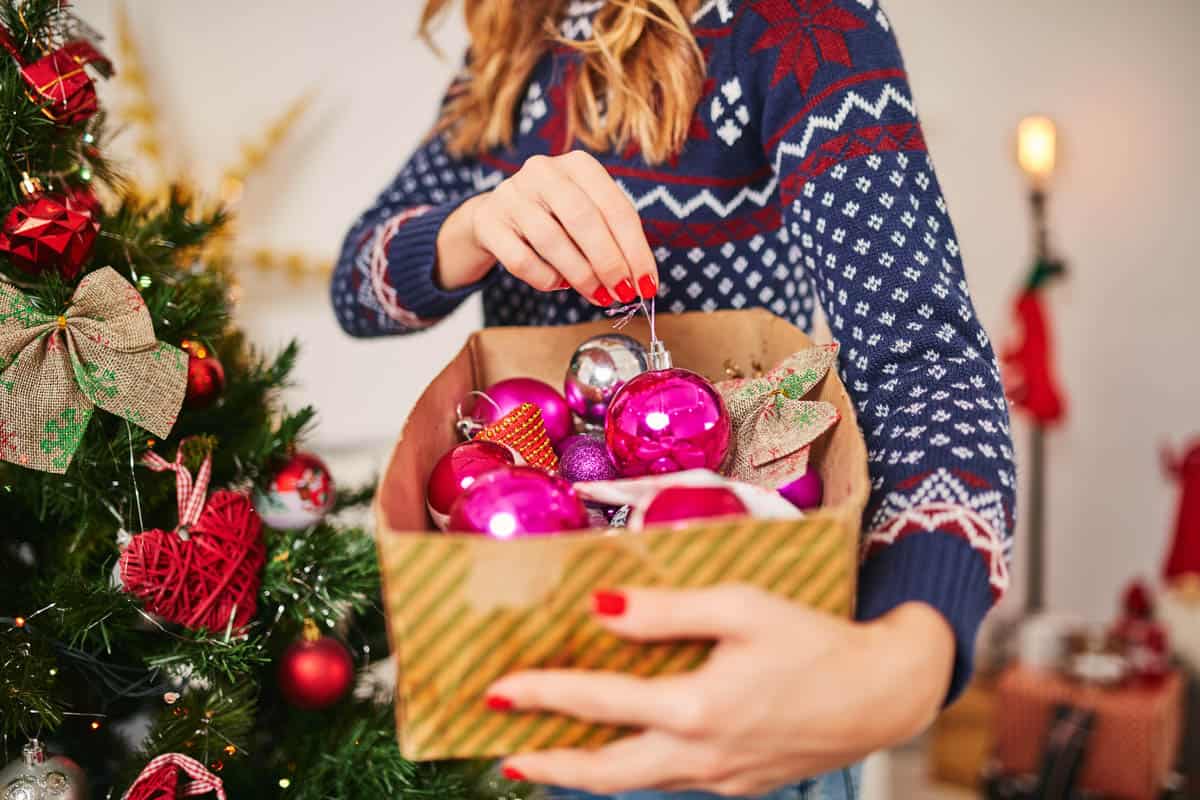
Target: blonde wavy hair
[640, 78]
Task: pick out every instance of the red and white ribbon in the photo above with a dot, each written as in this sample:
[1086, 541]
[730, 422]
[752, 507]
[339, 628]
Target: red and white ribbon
[159, 775]
[190, 493]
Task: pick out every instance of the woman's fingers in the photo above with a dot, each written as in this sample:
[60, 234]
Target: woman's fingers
[621, 216]
[579, 216]
[546, 236]
[645, 761]
[503, 241]
[606, 697]
[731, 611]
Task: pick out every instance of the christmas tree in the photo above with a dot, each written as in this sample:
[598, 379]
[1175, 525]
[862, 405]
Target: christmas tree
[179, 604]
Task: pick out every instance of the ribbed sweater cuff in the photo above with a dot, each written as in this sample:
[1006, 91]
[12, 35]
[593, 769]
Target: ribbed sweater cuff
[941, 570]
[412, 255]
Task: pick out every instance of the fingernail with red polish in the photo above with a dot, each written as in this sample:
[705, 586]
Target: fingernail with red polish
[625, 291]
[602, 297]
[563, 285]
[647, 287]
[512, 773]
[608, 604]
[499, 703]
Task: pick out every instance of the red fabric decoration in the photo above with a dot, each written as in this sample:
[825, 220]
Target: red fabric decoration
[1136, 603]
[523, 430]
[1029, 364]
[1183, 558]
[59, 82]
[50, 232]
[162, 779]
[204, 574]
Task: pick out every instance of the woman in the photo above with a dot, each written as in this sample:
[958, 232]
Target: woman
[725, 154]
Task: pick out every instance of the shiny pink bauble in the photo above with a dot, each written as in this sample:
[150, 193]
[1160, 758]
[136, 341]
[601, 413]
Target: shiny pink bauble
[457, 470]
[508, 394]
[667, 420]
[511, 502]
[805, 492]
[683, 503]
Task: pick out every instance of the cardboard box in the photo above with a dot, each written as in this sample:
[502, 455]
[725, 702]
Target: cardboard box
[961, 740]
[464, 610]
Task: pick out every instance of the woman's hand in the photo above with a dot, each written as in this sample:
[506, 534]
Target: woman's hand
[559, 222]
[787, 693]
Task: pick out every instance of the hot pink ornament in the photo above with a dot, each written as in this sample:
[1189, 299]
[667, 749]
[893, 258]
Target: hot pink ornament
[805, 492]
[508, 394]
[667, 420]
[518, 501]
[682, 503]
[457, 470]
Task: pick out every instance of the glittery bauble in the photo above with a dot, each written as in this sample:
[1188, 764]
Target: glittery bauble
[665, 421]
[205, 376]
[583, 458]
[599, 368]
[315, 672]
[805, 492]
[299, 494]
[37, 776]
[510, 502]
[457, 470]
[677, 504]
[508, 394]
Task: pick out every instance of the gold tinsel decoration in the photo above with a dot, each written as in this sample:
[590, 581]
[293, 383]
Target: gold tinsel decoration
[141, 113]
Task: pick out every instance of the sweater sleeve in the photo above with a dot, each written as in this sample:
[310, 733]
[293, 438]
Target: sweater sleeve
[865, 217]
[383, 282]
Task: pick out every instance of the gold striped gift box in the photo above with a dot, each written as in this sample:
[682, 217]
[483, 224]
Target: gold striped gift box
[465, 610]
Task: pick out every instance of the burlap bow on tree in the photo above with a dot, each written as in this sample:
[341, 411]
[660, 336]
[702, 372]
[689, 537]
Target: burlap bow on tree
[772, 425]
[100, 352]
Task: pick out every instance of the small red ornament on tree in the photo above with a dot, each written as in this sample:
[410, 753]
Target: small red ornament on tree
[59, 82]
[315, 672]
[205, 573]
[49, 231]
[299, 494]
[206, 376]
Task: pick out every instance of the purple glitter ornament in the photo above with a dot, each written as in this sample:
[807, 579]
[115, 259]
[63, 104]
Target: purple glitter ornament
[503, 396]
[805, 492]
[511, 502]
[583, 458]
[667, 420]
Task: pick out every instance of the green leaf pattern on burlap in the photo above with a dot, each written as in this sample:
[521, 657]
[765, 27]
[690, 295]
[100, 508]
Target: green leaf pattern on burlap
[101, 352]
[773, 426]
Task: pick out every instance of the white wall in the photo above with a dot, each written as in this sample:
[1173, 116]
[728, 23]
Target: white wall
[1119, 77]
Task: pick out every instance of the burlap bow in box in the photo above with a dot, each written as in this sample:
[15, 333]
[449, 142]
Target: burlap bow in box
[773, 425]
[100, 352]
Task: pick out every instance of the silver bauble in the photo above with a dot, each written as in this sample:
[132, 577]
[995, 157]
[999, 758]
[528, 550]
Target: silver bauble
[38, 777]
[601, 366]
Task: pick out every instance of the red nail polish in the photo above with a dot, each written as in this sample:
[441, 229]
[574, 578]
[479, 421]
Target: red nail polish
[563, 285]
[647, 287]
[512, 773]
[602, 297]
[499, 703]
[625, 291]
[608, 604]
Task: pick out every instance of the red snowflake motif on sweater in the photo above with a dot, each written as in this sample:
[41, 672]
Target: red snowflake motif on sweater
[807, 33]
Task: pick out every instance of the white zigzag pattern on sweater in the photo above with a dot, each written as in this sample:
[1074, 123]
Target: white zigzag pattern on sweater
[760, 197]
[723, 7]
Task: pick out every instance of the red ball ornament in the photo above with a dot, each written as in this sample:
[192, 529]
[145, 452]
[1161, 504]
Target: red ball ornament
[458, 469]
[49, 232]
[679, 504]
[298, 495]
[205, 376]
[510, 502]
[315, 672]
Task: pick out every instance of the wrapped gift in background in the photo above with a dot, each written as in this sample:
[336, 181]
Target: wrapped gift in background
[1133, 742]
[464, 610]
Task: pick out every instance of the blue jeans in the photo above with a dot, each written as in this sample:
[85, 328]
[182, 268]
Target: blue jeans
[840, 785]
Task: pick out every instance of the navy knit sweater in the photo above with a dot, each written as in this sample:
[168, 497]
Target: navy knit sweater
[805, 179]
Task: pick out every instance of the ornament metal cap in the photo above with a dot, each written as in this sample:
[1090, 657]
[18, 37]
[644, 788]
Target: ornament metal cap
[30, 185]
[33, 753]
[660, 356]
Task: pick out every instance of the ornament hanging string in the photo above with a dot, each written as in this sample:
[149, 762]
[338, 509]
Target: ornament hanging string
[160, 778]
[660, 356]
[190, 493]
